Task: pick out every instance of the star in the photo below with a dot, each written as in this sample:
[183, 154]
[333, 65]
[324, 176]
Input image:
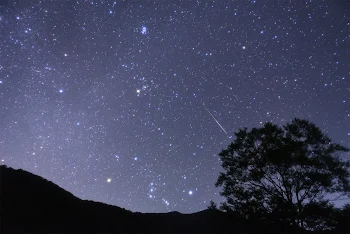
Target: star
[144, 30]
[116, 96]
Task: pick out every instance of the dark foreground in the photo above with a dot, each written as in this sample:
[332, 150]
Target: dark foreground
[31, 204]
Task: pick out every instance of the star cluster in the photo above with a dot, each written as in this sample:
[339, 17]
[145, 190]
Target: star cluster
[129, 102]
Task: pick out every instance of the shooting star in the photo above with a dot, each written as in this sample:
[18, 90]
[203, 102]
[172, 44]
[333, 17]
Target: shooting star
[215, 119]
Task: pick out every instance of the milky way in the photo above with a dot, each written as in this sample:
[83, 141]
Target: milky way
[105, 98]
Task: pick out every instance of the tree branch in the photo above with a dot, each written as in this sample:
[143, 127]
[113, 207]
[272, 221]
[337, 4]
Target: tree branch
[278, 188]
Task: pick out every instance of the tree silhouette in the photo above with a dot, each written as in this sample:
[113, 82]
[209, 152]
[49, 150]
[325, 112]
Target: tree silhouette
[283, 174]
[343, 218]
[212, 205]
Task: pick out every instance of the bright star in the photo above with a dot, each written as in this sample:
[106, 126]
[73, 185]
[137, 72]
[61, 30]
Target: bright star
[109, 180]
[138, 91]
[165, 202]
[190, 192]
[243, 47]
[144, 30]
[61, 90]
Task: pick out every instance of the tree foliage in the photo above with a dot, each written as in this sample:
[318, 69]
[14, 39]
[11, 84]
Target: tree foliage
[284, 173]
[342, 220]
[212, 205]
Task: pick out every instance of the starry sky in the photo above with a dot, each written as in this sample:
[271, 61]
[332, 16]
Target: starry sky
[130, 102]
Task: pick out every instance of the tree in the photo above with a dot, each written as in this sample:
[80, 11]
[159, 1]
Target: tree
[281, 173]
[343, 225]
[212, 205]
[320, 216]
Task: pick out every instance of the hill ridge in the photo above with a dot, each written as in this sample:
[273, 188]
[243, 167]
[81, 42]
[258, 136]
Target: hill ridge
[30, 203]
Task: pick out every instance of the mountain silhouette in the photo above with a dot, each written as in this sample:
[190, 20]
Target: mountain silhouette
[30, 203]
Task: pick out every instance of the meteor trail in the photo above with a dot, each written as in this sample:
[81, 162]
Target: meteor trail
[214, 119]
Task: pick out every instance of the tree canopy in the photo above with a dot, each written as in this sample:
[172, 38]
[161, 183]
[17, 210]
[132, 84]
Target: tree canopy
[284, 173]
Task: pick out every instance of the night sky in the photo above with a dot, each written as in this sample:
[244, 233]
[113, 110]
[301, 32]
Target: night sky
[130, 102]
